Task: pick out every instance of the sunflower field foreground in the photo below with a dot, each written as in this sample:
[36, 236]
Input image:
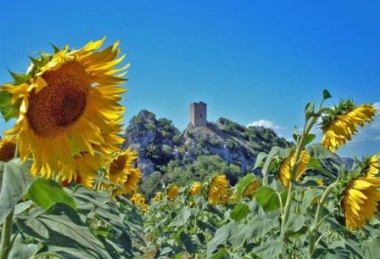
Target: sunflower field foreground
[69, 190]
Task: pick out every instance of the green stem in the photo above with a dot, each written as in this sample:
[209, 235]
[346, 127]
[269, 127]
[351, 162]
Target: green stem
[6, 234]
[315, 226]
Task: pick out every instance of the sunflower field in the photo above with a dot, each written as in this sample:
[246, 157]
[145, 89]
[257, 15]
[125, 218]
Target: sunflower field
[68, 189]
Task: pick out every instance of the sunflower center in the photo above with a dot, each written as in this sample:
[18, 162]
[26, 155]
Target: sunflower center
[69, 108]
[7, 151]
[117, 165]
[61, 103]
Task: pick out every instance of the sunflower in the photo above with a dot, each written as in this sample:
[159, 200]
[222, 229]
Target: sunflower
[228, 197]
[360, 201]
[69, 106]
[285, 170]
[173, 192]
[158, 196]
[7, 148]
[85, 180]
[251, 189]
[341, 124]
[195, 188]
[131, 183]
[217, 189]
[139, 200]
[121, 166]
[371, 166]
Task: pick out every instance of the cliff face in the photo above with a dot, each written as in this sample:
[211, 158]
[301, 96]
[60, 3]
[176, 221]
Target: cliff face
[158, 142]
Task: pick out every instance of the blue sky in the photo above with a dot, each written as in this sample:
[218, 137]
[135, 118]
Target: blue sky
[254, 62]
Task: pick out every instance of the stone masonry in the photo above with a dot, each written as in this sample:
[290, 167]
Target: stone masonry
[198, 114]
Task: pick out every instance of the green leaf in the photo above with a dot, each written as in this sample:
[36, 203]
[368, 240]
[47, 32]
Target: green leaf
[259, 160]
[63, 233]
[182, 217]
[269, 250]
[295, 222]
[309, 138]
[261, 226]
[220, 237]
[36, 62]
[373, 248]
[326, 94]
[319, 151]
[273, 152]
[268, 199]
[46, 192]
[310, 195]
[23, 206]
[191, 243]
[15, 183]
[8, 110]
[309, 110]
[23, 251]
[206, 226]
[240, 212]
[20, 78]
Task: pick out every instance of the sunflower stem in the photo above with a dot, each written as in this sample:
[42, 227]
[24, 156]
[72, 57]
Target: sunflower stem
[6, 234]
[314, 227]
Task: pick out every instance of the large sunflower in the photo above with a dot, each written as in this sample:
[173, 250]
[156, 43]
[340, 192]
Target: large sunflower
[341, 124]
[285, 170]
[217, 189]
[7, 148]
[360, 201]
[69, 106]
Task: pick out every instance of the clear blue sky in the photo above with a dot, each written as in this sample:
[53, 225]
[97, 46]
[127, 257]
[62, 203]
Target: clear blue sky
[249, 60]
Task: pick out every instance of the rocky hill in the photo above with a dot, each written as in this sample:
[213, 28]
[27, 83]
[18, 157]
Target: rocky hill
[168, 155]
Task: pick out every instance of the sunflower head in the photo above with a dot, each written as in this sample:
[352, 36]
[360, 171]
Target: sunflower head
[195, 188]
[371, 166]
[68, 106]
[130, 185]
[158, 196]
[286, 167]
[85, 180]
[360, 200]
[139, 200]
[340, 123]
[172, 192]
[121, 166]
[251, 189]
[217, 189]
[8, 148]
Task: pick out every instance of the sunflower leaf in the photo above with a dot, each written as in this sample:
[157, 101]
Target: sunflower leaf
[240, 212]
[15, 182]
[63, 233]
[326, 94]
[20, 78]
[46, 192]
[268, 199]
[8, 110]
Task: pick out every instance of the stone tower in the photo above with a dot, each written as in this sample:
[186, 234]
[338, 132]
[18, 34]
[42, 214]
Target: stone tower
[198, 114]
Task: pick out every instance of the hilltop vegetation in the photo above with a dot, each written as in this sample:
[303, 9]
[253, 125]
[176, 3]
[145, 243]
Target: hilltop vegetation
[167, 155]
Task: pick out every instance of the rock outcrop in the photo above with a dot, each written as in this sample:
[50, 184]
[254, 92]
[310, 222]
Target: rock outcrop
[158, 142]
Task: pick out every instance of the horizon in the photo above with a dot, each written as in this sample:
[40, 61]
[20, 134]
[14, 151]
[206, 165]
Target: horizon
[253, 63]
